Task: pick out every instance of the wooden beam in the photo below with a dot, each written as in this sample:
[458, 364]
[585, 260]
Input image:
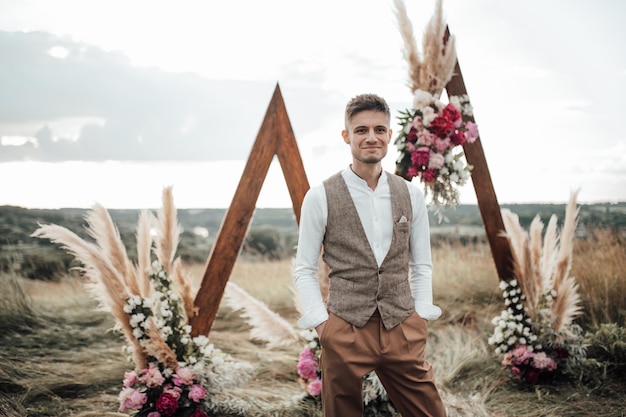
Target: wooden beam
[289, 158]
[485, 192]
[275, 137]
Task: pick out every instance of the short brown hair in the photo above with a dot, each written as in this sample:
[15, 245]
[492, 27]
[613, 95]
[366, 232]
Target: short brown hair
[364, 102]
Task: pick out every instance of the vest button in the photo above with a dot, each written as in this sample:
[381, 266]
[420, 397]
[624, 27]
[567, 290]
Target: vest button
[379, 297]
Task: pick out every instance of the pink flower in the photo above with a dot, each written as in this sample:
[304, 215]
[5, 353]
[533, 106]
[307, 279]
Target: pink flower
[131, 398]
[130, 378]
[521, 355]
[152, 377]
[543, 361]
[173, 391]
[307, 353]
[154, 414]
[183, 376]
[417, 122]
[197, 393]
[472, 131]
[436, 160]
[307, 367]
[314, 387]
[167, 404]
[442, 144]
[426, 138]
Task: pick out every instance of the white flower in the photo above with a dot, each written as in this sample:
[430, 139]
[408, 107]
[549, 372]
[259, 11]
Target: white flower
[503, 285]
[166, 331]
[421, 99]
[137, 332]
[456, 102]
[428, 115]
[201, 341]
[137, 319]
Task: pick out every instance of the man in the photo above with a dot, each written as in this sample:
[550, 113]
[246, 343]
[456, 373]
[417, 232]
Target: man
[373, 229]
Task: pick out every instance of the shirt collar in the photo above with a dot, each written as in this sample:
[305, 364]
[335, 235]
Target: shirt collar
[351, 178]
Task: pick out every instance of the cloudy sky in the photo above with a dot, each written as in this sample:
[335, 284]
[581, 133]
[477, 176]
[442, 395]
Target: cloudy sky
[110, 101]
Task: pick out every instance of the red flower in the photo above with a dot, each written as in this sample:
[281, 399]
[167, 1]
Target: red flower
[441, 126]
[429, 176]
[420, 157]
[561, 353]
[412, 135]
[167, 404]
[458, 137]
[453, 114]
[198, 412]
[531, 376]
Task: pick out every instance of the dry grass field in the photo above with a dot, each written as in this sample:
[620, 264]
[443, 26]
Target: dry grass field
[60, 357]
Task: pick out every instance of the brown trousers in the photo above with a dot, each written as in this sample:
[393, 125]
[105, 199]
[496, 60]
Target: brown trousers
[397, 356]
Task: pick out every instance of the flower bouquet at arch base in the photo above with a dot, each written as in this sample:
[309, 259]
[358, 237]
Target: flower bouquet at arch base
[173, 373]
[432, 135]
[535, 335]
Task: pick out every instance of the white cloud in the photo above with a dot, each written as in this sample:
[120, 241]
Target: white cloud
[542, 83]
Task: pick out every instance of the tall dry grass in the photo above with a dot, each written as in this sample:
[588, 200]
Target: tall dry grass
[44, 380]
[599, 266]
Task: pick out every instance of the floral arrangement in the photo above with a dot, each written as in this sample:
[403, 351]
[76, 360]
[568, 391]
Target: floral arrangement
[432, 133]
[514, 339]
[535, 334]
[175, 386]
[430, 143]
[308, 364]
[174, 373]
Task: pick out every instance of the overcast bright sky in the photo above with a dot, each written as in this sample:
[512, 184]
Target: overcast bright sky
[110, 101]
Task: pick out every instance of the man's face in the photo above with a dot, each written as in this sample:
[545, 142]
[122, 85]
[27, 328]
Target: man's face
[368, 135]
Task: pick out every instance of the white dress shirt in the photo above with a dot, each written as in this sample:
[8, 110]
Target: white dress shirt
[374, 209]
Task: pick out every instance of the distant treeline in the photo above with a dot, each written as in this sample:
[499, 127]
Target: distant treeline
[272, 233]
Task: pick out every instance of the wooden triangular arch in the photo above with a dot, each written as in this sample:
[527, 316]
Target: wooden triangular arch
[275, 137]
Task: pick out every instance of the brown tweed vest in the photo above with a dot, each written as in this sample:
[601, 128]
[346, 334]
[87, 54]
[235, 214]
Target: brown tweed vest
[357, 285]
